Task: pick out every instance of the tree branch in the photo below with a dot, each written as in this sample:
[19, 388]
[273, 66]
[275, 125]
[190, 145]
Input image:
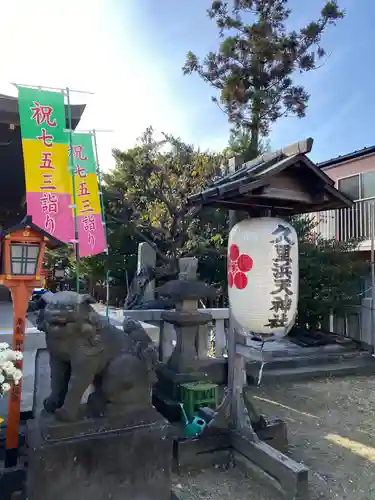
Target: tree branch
[164, 257]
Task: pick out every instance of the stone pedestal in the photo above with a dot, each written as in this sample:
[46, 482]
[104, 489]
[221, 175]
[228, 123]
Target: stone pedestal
[183, 365]
[184, 358]
[127, 457]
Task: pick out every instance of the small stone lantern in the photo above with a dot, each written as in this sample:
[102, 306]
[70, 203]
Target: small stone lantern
[184, 364]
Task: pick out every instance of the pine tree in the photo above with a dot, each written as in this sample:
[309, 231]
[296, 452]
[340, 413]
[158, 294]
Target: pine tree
[254, 66]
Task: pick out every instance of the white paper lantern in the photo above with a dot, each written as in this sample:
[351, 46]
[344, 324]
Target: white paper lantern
[263, 275]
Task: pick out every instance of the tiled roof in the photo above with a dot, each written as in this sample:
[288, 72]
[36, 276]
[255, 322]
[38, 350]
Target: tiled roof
[350, 156]
[251, 188]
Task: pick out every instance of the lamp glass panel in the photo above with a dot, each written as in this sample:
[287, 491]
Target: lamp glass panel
[30, 267]
[33, 251]
[16, 251]
[17, 267]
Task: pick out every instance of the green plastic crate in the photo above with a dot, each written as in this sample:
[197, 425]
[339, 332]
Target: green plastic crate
[195, 395]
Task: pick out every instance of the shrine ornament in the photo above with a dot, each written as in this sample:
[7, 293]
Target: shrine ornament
[263, 275]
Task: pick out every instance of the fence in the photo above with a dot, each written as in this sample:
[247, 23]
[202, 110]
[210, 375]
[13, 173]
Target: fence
[346, 223]
[212, 337]
[357, 324]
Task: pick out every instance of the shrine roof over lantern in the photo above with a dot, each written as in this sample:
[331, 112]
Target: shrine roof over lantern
[27, 223]
[286, 182]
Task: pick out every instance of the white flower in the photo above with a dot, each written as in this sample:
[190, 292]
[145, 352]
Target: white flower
[19, 355]
[5, 387]
[17, 375]
[11, 355]
[3, 346]
[9, 368]
[2, 378]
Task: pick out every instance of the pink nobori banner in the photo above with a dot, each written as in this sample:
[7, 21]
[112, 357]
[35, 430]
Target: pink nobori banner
[91, 235]
[53, 212]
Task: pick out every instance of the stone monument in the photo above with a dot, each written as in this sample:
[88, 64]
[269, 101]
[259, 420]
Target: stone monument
[114, 446]
[147, 259]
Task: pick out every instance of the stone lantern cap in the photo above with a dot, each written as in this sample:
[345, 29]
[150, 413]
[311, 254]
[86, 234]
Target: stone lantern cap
[180, 290]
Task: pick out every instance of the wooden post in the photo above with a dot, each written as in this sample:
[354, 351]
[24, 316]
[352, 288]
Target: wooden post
[238, 414]
[21, 293]
[233, 372]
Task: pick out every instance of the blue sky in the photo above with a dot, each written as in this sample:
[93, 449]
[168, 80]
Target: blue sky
[130, 54]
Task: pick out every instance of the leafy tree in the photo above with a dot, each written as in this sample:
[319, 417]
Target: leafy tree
[148, 193]
[120, 262]
[60, 258]
[330, 273]
[254, 66]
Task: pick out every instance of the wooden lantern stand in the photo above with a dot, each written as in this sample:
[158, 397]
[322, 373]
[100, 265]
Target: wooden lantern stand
[281, 184]
[24, 236]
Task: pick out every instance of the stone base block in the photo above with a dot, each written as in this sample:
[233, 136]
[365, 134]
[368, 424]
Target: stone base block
[128, 461]
[12, 482]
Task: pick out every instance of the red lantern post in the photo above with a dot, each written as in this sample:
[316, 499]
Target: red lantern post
[22, 260]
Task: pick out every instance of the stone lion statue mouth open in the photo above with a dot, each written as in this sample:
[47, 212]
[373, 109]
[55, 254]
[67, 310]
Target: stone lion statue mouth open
[85, 348]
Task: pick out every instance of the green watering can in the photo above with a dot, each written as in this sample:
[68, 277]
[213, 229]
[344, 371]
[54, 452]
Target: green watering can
[193, 428]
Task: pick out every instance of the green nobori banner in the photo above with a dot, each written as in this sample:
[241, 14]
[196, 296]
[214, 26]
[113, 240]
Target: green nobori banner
[83, 152]
[91, 230]
[42, 109]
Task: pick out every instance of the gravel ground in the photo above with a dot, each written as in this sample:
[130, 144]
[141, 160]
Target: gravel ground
[331, 425]
[215, 484]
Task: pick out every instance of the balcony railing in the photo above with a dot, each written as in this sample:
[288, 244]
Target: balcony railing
[347, 223]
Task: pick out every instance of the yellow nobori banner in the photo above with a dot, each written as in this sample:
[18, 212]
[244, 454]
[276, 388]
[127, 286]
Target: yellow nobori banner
[46, 168]
[87, 195]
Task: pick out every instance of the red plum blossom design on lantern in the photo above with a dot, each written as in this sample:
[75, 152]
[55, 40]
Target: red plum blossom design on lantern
[239, 264]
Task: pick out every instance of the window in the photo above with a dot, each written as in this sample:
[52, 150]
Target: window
[368, 185]
[358, 186]
[350, 186]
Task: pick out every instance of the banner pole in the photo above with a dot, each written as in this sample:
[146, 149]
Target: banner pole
[72, 172]
[100, 130]
[57, 89]
[99, 175]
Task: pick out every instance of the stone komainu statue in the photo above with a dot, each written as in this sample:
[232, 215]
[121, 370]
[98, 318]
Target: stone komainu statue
[86, 349]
